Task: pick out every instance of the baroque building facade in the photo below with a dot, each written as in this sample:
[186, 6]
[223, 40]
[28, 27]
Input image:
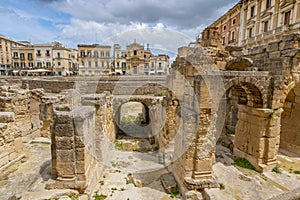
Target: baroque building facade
[138, 60]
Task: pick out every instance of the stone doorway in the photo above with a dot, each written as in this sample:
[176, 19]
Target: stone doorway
[134, 130]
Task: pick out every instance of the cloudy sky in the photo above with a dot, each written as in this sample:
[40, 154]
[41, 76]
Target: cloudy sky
[166, 25]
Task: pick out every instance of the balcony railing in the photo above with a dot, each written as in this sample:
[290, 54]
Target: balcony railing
[231, 41]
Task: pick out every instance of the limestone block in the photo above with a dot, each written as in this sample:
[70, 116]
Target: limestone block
[273, 46]
[65, 156]
[287, 45]
[6, 117]
[274, 55]
[63, 130]
[272, 145]
[66, 170]
[289, 52]
[64, 143]
[80, 167]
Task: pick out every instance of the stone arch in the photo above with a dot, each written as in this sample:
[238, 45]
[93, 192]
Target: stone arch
[239, 64]
[251, 86]
[289, 139]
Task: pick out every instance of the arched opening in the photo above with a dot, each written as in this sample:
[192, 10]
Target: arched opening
[247, 96]
[133, 128]
[290, 126]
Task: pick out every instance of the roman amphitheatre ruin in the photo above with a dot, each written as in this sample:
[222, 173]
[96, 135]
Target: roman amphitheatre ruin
[218, 104]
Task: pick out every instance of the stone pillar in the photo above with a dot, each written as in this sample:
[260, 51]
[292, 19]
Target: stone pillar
[257, 136]
[72, 147]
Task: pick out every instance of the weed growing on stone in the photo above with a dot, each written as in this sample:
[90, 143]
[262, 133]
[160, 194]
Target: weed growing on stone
[242, 162]
[101, 182]
[276, 170]
[222, 186]
[73, 196]
[174, 193]
[297, 171]
[99, 196]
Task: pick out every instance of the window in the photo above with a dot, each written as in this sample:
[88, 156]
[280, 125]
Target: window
[134, 52]
[82, 63]
[59, 64]
[82, 54]
[15, 54]
[96, 63]
[107, 64]
[250, 32]
[159, 66]
[252, 11]
[16, 64]
[47, 53]
[107, 54]
[135, 69]
[89, 54]
[58, 55]
[29, 56]
[39, 64]
[22, 57]
[223, 40]
[90, 64]
[23, 64]
[96, 54]
[266, 26]
[30, 64]
[102, 64]
[233, 22]
[38, 53]
[268, 5]
[102, 54]
[287, 16]
[48, 64]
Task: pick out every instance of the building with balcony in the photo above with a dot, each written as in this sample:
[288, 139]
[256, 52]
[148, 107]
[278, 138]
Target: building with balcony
[47, 59]
[94, 59]
[6, 46]
[64, 60]
[255, 22]
[229, 25]
[264, 21]
[23, 58]
[136, 60]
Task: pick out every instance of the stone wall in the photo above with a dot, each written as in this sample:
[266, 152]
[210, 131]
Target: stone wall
[257, 136]
[80, 135]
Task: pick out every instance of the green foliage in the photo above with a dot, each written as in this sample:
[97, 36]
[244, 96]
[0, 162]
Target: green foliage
[297, 171]
[118, 145]
[242, 162]
[174, 193]
[114, 188]
[73, 196]
[99, 196]
[276, 170]
[101, 182]
[159, 94]
[113, 164]
[222, 186]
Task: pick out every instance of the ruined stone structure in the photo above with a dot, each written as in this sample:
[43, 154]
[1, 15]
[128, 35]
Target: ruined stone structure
[251, 95]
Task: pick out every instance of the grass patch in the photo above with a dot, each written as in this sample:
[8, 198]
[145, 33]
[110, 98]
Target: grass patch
[73, 196]
[99, 196]
[297, 171]
[222, 186]
[159, 94]
[118, 145]
[242, 162]
[276, 170]
[174, 193]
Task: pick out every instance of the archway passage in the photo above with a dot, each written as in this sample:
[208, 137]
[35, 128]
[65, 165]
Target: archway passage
[290, 126]
[134, 130]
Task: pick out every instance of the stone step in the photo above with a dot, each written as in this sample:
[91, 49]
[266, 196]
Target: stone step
[169, 183]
